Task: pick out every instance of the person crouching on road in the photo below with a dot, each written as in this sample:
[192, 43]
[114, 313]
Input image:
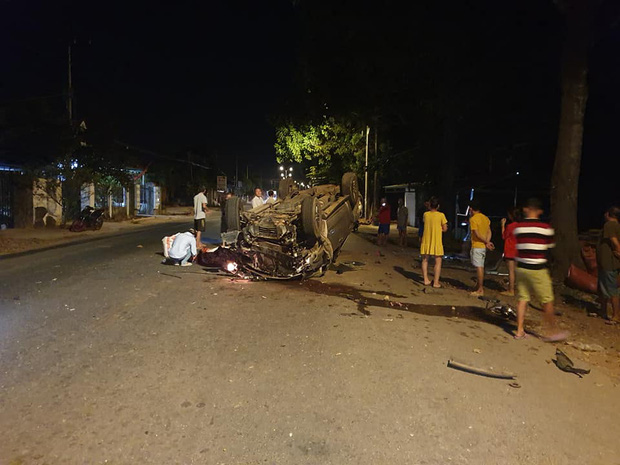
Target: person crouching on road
[385, 216]
[183, 248]
[480, 226]
[435, 224]
[534, 238]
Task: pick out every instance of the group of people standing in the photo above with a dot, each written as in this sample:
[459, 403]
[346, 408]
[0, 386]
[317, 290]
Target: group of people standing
[527, 240]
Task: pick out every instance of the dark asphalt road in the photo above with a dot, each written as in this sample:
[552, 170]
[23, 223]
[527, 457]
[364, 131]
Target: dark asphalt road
[109, 357]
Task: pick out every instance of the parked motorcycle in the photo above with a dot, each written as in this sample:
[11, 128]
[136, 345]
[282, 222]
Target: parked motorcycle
[89, 218]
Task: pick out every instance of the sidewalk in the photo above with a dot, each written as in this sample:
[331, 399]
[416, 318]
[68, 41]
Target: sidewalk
[14, 241]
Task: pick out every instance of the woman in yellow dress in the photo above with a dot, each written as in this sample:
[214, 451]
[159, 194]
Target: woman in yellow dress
[435, 224]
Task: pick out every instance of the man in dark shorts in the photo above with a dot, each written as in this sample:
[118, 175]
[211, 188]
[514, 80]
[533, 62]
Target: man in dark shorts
[608, 261]
[200, 208]
[385, 216]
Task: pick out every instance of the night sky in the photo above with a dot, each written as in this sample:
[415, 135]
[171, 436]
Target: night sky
[166, 78]
[173, 76]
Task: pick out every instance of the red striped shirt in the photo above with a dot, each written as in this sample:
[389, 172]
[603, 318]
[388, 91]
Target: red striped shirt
[534, 239]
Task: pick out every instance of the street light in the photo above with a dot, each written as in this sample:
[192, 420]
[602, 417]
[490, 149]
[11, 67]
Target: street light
[281, 168]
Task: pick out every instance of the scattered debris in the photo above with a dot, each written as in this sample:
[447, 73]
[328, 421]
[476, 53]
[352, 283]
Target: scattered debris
[514, 385]
[477, 351]
[566, 364]
[478, 371]
[173, 275]
[585, 347]
[388, 319]
[140, 246]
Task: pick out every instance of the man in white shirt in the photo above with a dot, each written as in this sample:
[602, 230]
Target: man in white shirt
[183, 248]
[257, 201]
[271, 197]
[200, 207]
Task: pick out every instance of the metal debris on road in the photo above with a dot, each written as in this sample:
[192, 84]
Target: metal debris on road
[564, 363]
[478, 371]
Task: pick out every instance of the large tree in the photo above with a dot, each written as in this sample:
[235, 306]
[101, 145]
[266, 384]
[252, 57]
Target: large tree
[580, 21]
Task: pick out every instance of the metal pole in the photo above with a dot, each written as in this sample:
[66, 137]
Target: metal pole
[366, 176]
[70, 90]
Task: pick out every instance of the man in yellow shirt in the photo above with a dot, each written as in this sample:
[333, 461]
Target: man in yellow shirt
[480, 226]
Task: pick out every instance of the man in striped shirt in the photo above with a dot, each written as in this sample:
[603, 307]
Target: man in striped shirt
[534, 239]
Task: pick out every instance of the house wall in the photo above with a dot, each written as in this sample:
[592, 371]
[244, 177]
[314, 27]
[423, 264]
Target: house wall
[46, 203]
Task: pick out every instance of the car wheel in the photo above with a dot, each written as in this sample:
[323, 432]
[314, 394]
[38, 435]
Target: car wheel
[349, 186]
[311, 216]
[233, 214]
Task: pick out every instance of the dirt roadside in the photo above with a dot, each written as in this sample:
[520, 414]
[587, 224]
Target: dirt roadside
[14, 241]
[397, 270]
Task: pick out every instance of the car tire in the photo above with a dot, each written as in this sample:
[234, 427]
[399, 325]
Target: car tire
[350, 186]
[233, 214]
[311, 217]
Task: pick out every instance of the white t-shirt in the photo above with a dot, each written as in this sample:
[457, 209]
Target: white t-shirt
[199, 200]
[257, 202]
[183, 243]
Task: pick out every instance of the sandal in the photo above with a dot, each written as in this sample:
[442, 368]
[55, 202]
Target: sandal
[521, 337]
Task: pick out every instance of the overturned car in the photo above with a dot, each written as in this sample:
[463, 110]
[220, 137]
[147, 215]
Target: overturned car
[299, 235]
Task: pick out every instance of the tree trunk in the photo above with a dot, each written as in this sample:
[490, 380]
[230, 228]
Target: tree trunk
[565, 177]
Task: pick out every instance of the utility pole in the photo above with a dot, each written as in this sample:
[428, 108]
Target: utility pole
[236, 172]
[70, 89]
[375, 187]
[366, 175]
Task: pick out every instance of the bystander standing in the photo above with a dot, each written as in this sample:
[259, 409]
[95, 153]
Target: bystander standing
[432, 241]
[402, 215]
[534, 238]
[271, 197]
[200, 208]
[384, 216]
[608, 264]
[257, 201]
[510, 248]
[480, 226]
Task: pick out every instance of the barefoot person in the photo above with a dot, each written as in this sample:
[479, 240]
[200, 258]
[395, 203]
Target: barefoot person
[510, 248]
[435, 224]
[608, 261]
[480, 226]
[534, 238]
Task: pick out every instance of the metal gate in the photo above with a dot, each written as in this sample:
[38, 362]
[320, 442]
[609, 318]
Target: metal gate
[7, 199]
